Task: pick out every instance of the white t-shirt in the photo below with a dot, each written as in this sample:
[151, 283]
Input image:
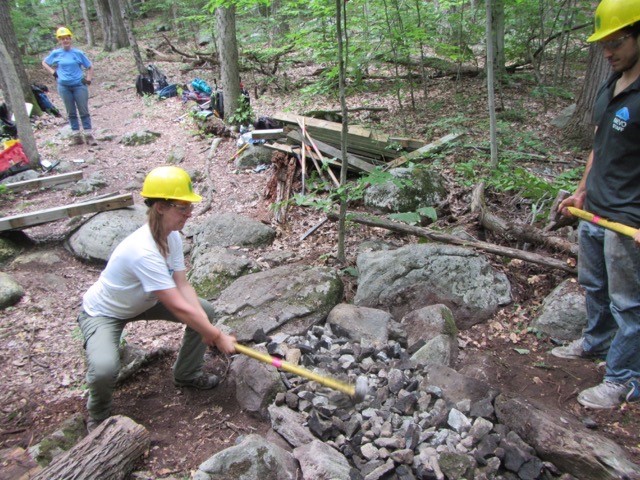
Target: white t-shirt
[135, 270]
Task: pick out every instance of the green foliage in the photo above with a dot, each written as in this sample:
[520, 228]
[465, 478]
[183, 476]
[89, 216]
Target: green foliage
[243, 114]
[553, 91]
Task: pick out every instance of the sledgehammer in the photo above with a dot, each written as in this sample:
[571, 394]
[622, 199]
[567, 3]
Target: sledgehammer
[357, 392]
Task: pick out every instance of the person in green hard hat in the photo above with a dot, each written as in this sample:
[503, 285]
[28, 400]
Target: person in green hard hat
[609, 262]
[145, 279]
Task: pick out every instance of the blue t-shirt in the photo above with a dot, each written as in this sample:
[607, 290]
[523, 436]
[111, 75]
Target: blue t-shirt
[68, 64]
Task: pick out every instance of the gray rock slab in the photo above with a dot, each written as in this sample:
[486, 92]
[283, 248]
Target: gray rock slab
[360, 323]
[290, 425]
[257, 385]
[567, 444]
[97, 239]
[416, 276]
[564, 312]
[440, 350]
[288, 299]
[253, 459]
[253, 156]
[228, 229]
[319, 461]
[456, 387]
[428, 322]
[215, 268]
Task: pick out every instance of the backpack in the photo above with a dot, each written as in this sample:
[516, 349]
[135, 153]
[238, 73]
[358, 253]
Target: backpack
[159, 79]
[217, 103]
[168, 91]
[39, 91]
[144, 85]
[13, 160]
[201, 86]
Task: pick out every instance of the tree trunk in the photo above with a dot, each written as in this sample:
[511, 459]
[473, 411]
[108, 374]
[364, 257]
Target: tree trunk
[88, 31]
[8, 36]
[110, 451]
[497, 24]
[16, 98]
[580, 128]
[228, 53]
[128, 25]
[490, 38]
[119, 36]
[113, 30]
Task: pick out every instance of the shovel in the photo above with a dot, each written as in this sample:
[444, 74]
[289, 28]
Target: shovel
[615, 226]
[357, 392]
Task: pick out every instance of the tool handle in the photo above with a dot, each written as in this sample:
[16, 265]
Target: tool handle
[297, 370]
[615, 226]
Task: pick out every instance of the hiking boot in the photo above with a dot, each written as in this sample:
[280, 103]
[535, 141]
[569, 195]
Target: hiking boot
[92, 424]
[90, 140]
[605, 395]
[573, 350]
[634, 393]
[201, 382]
[76, 139]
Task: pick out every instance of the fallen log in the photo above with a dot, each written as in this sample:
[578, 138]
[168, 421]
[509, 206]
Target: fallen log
[433, 147]
[110, 451]
[374, 221]
[526, 233]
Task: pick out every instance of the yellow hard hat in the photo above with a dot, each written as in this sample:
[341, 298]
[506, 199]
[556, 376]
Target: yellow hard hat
[63, 32]
[169, 183]
[612, 15]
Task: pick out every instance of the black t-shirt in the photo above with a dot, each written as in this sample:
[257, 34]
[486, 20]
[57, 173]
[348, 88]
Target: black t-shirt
[613, 184]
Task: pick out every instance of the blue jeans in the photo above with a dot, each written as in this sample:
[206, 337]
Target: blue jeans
[76, 102]
[102, 346]
[609, 271]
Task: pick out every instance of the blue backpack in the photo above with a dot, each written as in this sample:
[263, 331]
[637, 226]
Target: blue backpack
[168, 91]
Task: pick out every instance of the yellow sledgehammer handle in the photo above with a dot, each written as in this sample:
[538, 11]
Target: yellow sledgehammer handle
[300, 371]
[615, 226]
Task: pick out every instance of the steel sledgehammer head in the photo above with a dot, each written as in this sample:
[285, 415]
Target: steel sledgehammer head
[361, 389]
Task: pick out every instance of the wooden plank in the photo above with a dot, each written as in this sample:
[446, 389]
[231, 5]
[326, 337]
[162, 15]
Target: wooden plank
[272, 134]
[67, 211]
[43, 182]
[426, 150]
[279, 147]
[352, 161]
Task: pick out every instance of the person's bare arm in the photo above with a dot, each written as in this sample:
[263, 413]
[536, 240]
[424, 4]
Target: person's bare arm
[184, 308]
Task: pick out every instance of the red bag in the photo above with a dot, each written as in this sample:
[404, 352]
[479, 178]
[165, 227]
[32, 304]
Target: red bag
[13, 160]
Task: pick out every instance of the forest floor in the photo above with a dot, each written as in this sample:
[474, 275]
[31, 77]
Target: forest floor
[42, 363]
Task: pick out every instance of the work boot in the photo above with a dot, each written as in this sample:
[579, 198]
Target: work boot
[76, 139]
[606, 395]
[201, 382]
[90, 140]
[92, 424]
[574, 350]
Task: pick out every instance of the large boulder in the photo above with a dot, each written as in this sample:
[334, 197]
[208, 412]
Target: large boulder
[98, 238]
[214, 269]
[10, 291]
[287, 299]
[253, 459]
[564, 312]
[360, 323]
[228, 229]
[567, 443]
[416, 276]
[411, 189]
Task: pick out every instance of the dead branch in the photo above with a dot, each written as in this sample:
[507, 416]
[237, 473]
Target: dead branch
[279, 185]
[375, 221]
[523, 232]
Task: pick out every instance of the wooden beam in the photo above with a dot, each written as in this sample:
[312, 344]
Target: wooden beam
[352, 161]
[44, 182]
[421, 152]
[67, 211]
[272, 134]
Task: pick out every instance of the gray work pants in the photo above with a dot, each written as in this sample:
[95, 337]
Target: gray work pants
[102, 340]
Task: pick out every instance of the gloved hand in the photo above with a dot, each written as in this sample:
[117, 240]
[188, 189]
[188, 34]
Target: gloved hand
[86, 82]
[55, 74]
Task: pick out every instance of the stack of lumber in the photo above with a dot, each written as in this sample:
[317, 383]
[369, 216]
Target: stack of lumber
[373, 146]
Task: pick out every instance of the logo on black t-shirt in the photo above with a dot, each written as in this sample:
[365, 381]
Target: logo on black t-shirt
[621, 119]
